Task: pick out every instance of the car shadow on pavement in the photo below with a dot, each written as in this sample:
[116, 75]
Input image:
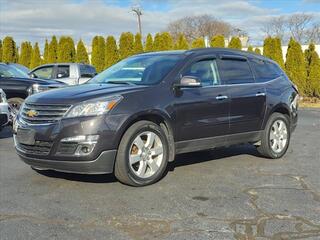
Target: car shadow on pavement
[96, 178]
[6, 133]
[181, 160]
[212, 155]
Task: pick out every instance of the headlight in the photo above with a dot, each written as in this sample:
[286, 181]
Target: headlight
[36, 88]
[93, 108]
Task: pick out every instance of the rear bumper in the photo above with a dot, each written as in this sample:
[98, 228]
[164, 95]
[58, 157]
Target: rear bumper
[102, 164]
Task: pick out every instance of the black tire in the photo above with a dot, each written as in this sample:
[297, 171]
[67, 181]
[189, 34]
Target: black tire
[265, 148]
[122, 170]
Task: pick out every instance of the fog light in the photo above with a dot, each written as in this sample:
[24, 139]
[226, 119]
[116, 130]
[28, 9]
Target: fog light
[85, 143]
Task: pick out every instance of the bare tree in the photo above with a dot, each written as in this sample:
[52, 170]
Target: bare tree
[199, 26]
[298, 25]
[301, 26]
[276, 26]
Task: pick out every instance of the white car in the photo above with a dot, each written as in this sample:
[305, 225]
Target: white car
[4, 110]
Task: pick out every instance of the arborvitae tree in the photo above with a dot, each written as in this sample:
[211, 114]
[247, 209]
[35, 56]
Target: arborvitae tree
[257, 51]
[307, 54]
[313, 82]
[137, 46]
[35, 57]
[25, 54]
[250, 49]
[235, 43]
[277, 52]
[81, 54]
[198, 43]
[66, 50]
[16, 55]
[167, 41]
[46, 52]
[98, 52]
[163, 41]
[296, 65]
[268, 47]
[157, 42]
[9, 49]
[53, 50]
[111, 52]
[181, 43]
[126, 45]
[149, 43]
[217, 41]
[0, 50]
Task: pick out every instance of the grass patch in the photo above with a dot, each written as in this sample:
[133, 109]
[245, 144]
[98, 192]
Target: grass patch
[308, 102]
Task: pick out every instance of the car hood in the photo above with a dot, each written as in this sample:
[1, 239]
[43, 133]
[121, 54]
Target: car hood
[79, 93]
[38, 81]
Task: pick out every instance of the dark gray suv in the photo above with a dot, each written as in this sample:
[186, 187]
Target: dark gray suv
[133, 118]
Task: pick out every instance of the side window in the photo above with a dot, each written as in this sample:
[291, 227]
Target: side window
[206, 71]
[265, 71]
[235, 71]
[63, 72]
[87, 71]
[44, 72]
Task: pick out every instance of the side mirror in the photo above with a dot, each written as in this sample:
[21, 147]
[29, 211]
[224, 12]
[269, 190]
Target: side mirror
[60, 75]
[189, 82]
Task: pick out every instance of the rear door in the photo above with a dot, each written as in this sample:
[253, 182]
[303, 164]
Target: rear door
[247, 98]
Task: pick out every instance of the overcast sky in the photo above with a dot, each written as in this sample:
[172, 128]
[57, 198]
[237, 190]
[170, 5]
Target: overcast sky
[36, 20]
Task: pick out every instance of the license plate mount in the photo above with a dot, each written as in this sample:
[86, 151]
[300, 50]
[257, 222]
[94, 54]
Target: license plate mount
[26, 136]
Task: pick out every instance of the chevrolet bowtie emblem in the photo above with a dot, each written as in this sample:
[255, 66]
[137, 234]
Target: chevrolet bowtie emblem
[32, 113]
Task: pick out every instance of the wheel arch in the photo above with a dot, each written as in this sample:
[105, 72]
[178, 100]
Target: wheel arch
[279, 108]
[158, 117]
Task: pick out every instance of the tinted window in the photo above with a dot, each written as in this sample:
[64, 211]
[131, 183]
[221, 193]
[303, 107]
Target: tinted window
[234, 71]
[44, 72]
[87, 71]
[10, 71]
[63, 72]
[265, 71]
[140, 69]
[206, 71]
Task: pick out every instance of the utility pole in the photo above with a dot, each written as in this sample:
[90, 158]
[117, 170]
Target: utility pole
[138, 11]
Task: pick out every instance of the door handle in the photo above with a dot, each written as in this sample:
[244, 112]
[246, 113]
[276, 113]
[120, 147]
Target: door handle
[221, 97]
[259, 94]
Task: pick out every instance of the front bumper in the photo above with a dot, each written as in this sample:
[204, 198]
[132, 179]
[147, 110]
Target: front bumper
[48, 151]
[102, 164]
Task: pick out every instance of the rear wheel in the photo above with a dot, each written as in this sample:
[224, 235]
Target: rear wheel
[142, 155]
[276, 136]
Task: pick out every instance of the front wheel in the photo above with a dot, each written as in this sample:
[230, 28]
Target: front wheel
[276, 136]
[142, 155]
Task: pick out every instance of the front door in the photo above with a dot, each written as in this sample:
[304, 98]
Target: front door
[202, 114]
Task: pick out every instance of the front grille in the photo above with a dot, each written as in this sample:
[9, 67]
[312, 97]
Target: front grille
[40, 114]
[39, 148]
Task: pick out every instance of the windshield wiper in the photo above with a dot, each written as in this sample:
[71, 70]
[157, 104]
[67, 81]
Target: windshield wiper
[120, 82]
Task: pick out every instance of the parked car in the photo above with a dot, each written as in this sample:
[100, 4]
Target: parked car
[69, 73]
[18, 85]
[182, 101]
[20, 67]
[4, 110]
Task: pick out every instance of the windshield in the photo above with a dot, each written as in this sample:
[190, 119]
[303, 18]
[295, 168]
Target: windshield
[10, 71]
[143, 69]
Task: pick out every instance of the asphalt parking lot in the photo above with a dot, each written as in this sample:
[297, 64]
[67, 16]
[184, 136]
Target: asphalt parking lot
[220, 194]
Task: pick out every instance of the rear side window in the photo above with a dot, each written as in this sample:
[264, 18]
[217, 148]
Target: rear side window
[87, 71]
[235, 71]
[63, 72]
[265, 71]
